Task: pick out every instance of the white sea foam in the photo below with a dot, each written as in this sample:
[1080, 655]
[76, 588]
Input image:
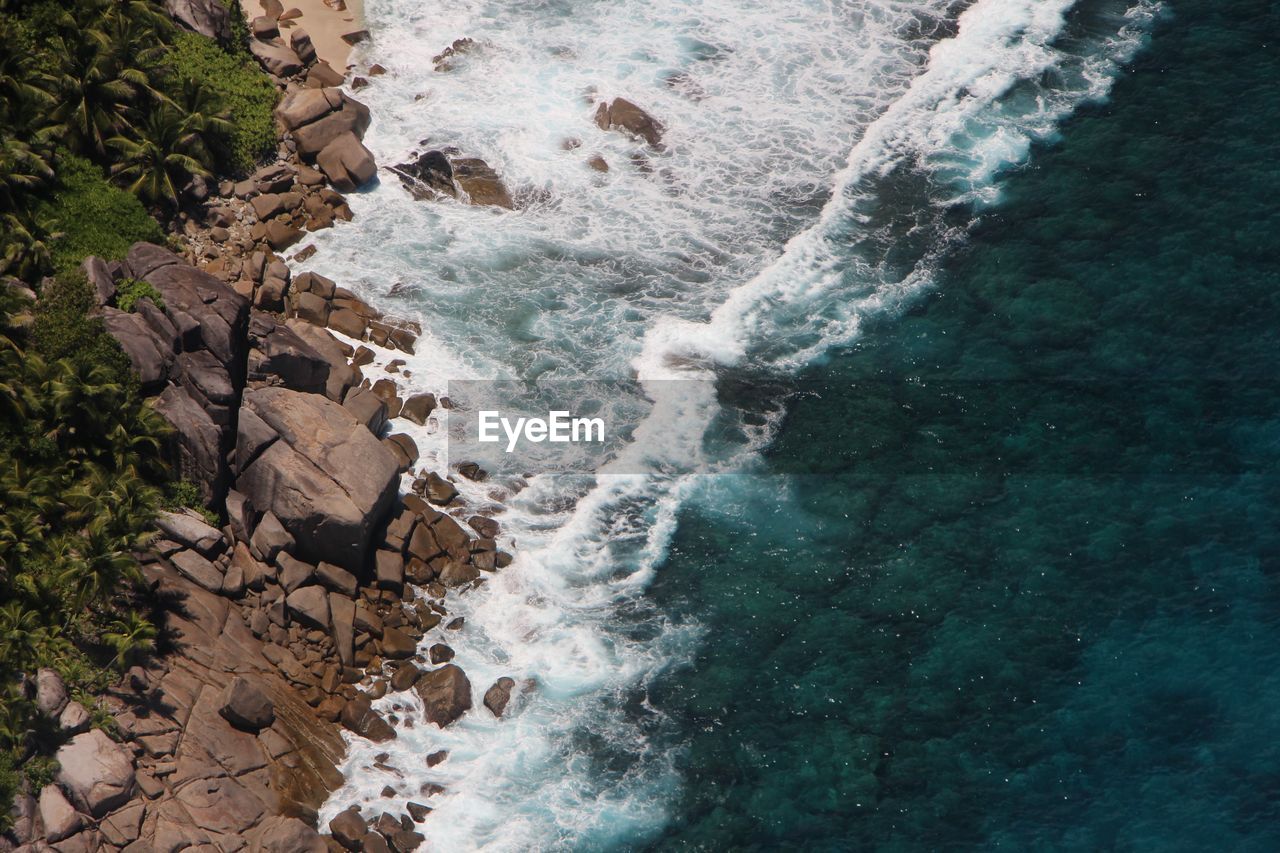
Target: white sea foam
[811, 149]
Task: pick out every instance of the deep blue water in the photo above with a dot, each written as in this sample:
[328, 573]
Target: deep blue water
[1008, 578]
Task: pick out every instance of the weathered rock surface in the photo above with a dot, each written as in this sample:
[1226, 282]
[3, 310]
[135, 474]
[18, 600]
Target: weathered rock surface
[51, 693]
[275, 58]
[209, 18]
[59, 817]
[358, 716]
[96, 772]
[323, 475]
[347, 163]
[433, 174]
[245, 706]
[446, 694]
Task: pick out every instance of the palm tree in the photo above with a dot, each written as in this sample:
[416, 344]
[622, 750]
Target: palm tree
[159, 163]
[130, 636]
[203, 116]
[95, 85]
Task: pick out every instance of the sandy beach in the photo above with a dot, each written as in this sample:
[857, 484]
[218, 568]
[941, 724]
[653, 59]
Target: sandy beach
[325, 25]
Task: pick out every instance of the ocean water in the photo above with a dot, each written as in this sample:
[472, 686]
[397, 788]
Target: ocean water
[930, 530]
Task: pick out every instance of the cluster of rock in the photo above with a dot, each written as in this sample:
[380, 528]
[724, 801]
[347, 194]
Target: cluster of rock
[285, 624]
[291, 58]
[436, 174]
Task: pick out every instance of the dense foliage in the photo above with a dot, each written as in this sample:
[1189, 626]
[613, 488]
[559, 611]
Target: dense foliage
[80, 457]
[112, 87]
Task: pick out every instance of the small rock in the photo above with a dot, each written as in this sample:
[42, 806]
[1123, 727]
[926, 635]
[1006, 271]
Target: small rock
[358, 716]
[349, 829]
[497, 696]
[440, 653]
[245, 706]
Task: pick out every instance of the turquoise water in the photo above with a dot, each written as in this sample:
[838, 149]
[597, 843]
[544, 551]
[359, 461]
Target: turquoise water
[1008, 576]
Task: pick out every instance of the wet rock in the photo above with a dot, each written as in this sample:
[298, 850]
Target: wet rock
[437, 757]
[497, 696]
[348, 828]
[358, 716]
[481, 183]
[418, 407]
[428, 176]
[245, 706]
[405, 677]
[446, 694]
[439, 490]
[624, 115]
[485, 526]
[457, 574]
[397, 645]
[439, 653]
[418, 811]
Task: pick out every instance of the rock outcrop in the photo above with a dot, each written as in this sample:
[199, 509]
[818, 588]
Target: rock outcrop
[446, 694]
[327, 126]
[317, 469]
[437, 174]
[209, 18]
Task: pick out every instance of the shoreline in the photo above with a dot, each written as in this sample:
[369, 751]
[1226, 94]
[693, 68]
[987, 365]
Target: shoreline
[325, 25]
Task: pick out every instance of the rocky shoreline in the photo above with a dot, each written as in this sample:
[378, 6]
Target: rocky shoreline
[324, 585]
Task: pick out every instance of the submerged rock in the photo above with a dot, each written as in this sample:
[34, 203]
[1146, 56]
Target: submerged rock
[623, 115]
[433, 174]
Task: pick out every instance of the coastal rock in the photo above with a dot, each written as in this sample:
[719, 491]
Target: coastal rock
[199, 441]
[405, 677]
[439, 653]
[280, 356]
[245, 706]
[264, 27]
[149, 354]
[310, 604]
[481, 183]
[325, 477]
[348, 828]
[427, 176]
[358, 716]
[446, 694]
[624, 115]
[275, 58]
[300, 41]
[368, 408]
[280, 834]
[95, 771]
[347, 163]
[341, 375]
[418, 407]
[317, 117]
[209, 18]
[497, 696]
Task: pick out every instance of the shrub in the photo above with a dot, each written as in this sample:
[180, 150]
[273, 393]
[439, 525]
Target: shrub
[91, 216]
[244, 90]
[184, 494]
[130, 290]
[64, 329]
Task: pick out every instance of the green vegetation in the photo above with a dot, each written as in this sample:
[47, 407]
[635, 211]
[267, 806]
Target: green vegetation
[184, 494]
[130, 290]
[102, 88]
[80, 460]
[91, 216]
[236, 82]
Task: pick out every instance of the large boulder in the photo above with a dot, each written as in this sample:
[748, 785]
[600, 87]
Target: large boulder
[149, 353]
[245, 706]
[280, 834]
[59, 817]
[358, 716]
[51, 693]
[96, 771]
[347, 163]
[310, 605]
[199, 442]
[348, 829]
[275, 58]
[280, 357]
[317, 117]
[209, 18]
[446, 694]
[320, 471]
[623, 115]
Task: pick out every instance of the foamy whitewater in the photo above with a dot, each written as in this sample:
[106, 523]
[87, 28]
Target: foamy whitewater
[820, 158]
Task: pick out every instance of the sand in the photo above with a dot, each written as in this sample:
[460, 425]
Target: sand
[325, 26]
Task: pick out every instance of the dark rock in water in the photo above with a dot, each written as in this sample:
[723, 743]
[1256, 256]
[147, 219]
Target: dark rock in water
[244, 706]
[624, 115]
[497, 696]
[428, 175]
[405, 677]
[347, 163]
[349, 829]
[440, 653]
[358, 716]
[418, 407]
[439, 490]
[481, 183]
[406, 840]
[446, 694]
[437, 757]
